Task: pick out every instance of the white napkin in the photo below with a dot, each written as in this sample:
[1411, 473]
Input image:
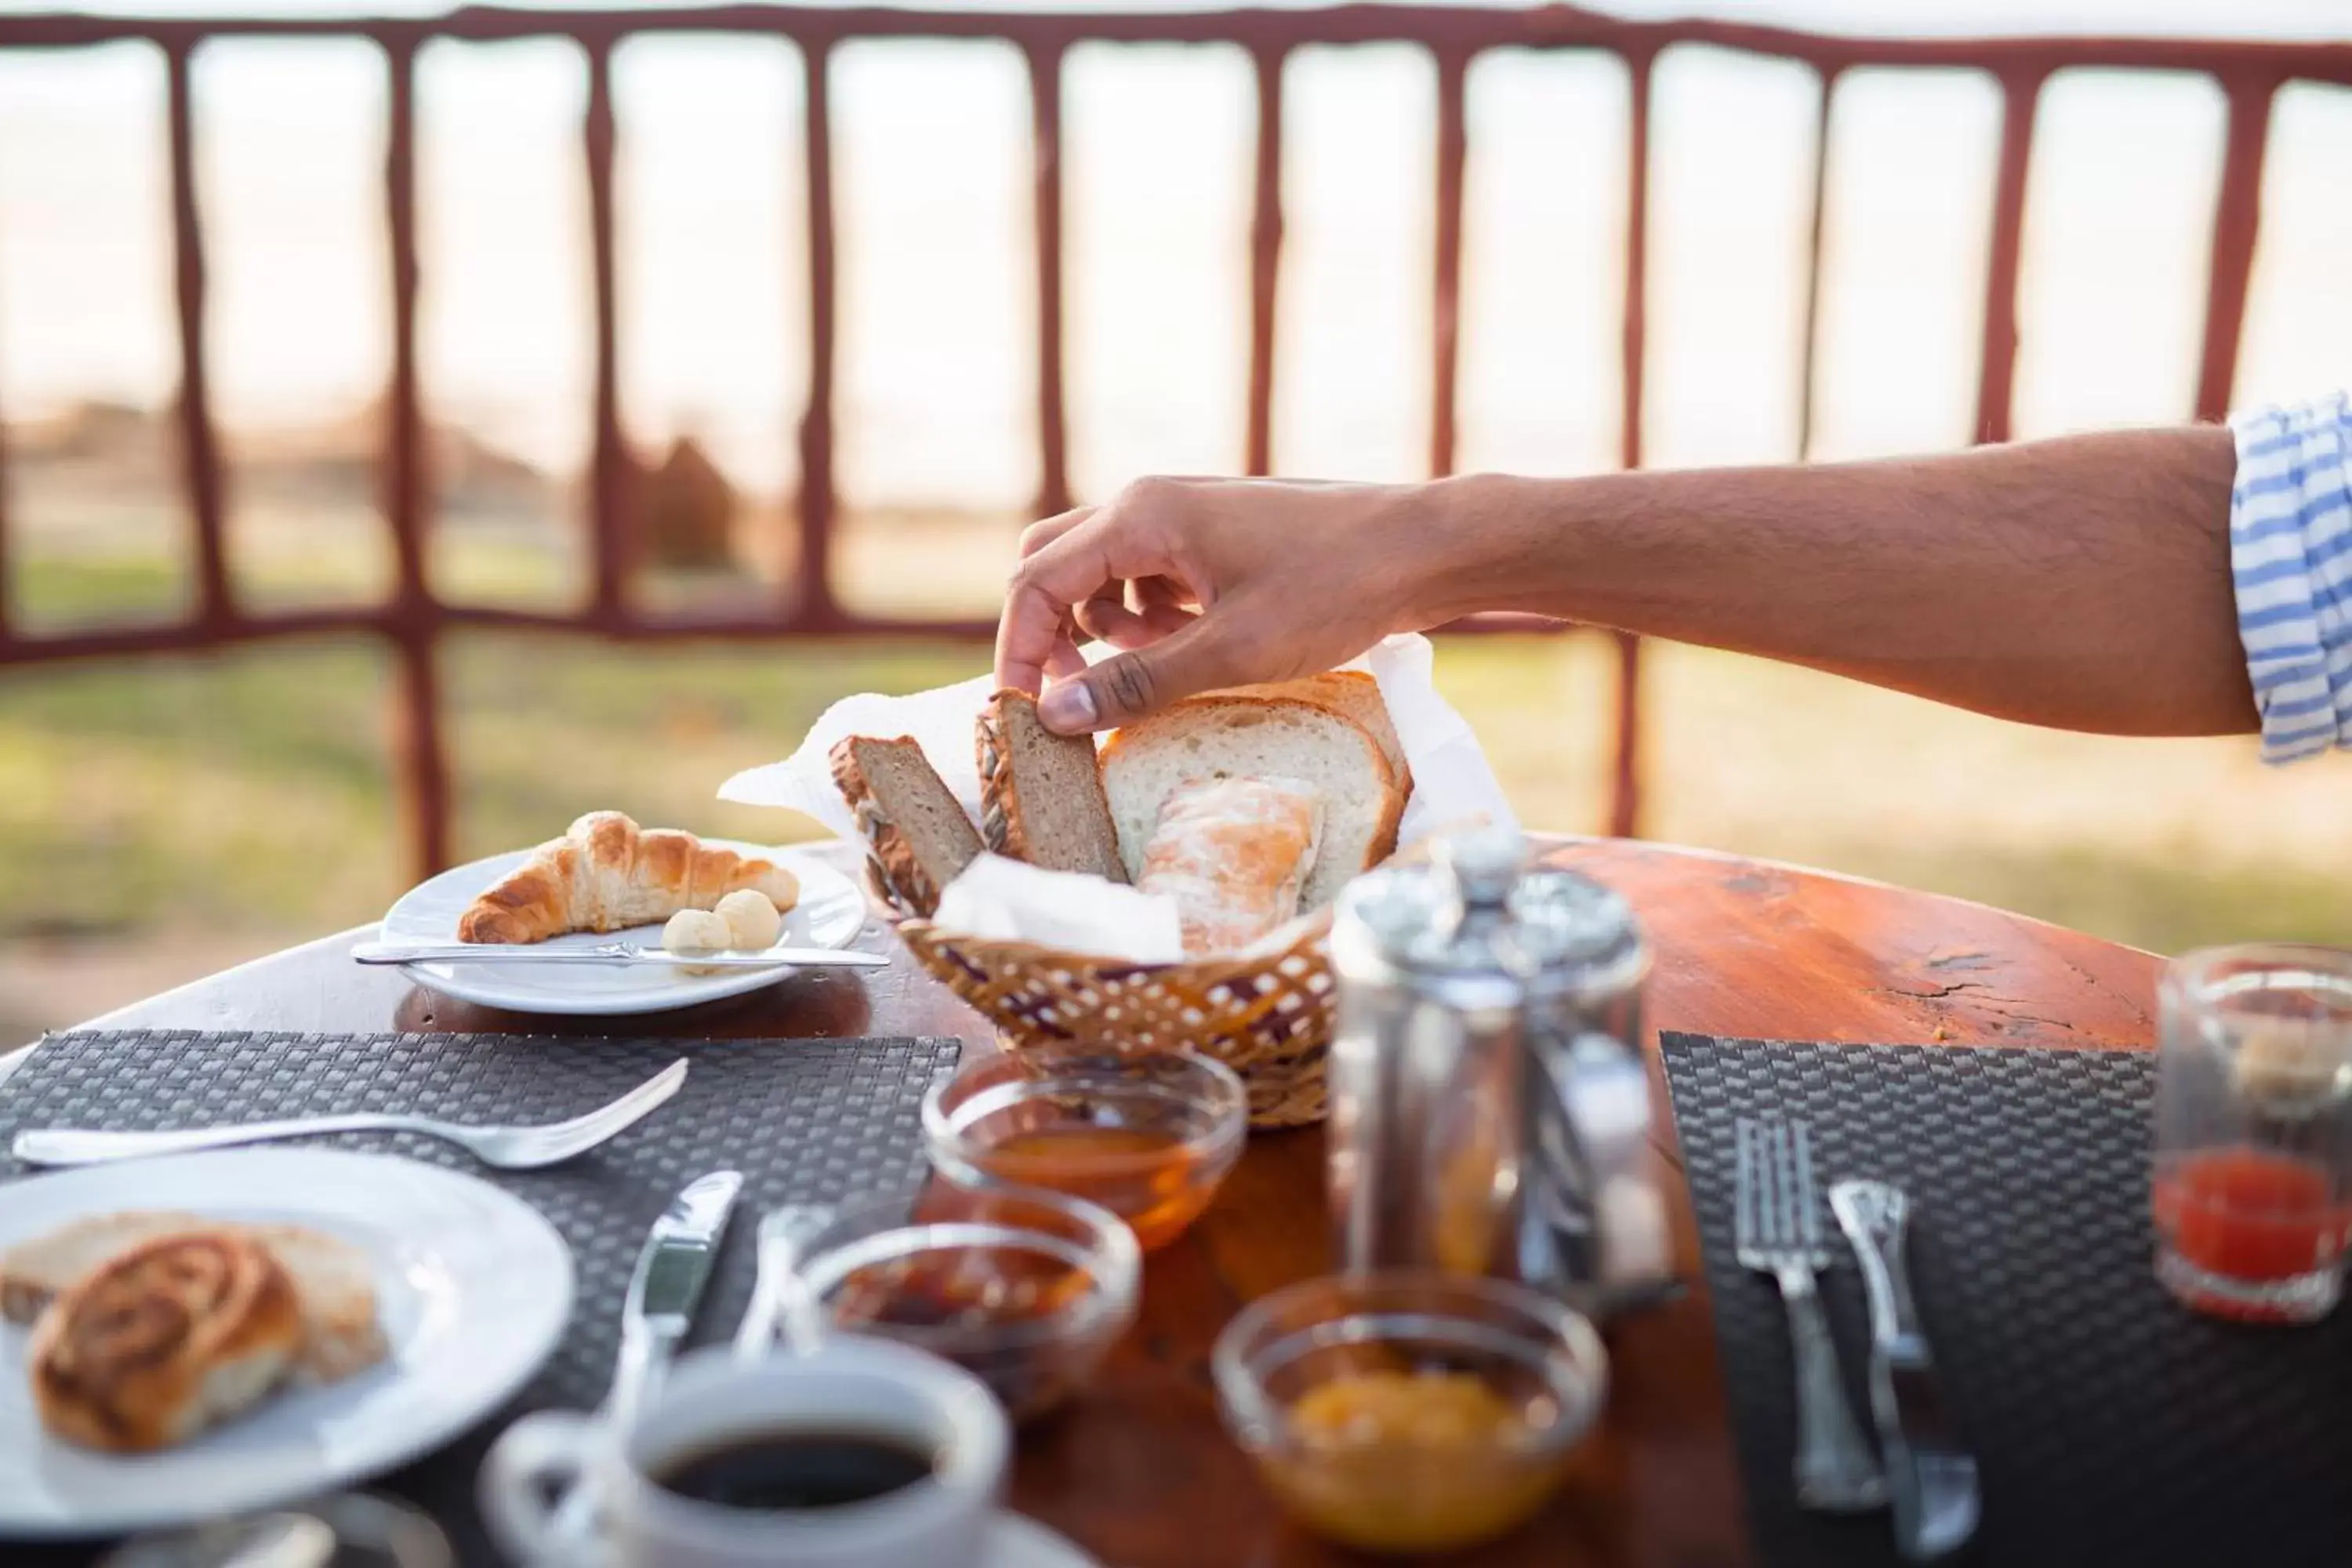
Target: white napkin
[1453, 784]
[1014, 902]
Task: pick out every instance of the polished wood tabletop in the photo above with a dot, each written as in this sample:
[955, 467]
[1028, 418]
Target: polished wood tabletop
[1138, 1470]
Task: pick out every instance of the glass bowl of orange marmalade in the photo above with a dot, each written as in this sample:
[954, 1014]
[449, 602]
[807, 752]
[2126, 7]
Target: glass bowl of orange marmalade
[1409, 1413]
[1147, 1136]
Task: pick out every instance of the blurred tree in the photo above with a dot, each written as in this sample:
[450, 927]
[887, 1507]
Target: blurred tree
[685, 512]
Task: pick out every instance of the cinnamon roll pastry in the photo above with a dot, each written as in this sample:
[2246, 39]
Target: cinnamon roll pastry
[165, 1340]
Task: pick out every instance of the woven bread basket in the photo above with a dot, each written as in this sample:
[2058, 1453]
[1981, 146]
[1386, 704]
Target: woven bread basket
[1267, 1016]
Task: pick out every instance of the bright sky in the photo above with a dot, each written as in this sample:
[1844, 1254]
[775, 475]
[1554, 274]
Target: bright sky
[937, 296]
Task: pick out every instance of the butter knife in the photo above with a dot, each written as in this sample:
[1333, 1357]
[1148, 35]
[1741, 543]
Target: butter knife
[1931, 1478]
[612, 953]
[668, 1286]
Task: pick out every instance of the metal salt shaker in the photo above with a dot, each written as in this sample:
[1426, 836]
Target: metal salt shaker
[1490, 1113]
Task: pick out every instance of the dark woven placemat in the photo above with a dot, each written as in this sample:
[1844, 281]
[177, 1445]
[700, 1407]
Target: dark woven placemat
[804, 1120]
[2111, 1426]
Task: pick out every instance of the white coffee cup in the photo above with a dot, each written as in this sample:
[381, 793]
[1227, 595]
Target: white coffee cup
[870, 1387]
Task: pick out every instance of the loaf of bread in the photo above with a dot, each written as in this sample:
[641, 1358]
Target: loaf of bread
[157, 1343]
[917, 836]
[1232, 854]
[1352, 694]
[1230, 736]
[335, 1281]
[606, 874]
[1041, 795]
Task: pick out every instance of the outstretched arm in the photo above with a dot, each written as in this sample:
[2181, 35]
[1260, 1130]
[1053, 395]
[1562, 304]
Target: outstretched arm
[2082, 582]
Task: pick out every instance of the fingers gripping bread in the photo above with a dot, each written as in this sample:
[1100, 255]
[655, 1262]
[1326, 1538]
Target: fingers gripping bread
[1040, 794]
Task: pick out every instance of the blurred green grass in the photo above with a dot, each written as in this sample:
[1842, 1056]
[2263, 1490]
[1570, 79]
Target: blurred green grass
[252, 793]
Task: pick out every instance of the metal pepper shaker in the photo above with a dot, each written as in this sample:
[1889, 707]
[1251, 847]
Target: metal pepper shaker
[1490, 1113]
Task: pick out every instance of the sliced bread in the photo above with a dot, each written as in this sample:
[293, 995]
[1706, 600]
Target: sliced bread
[334, 1280]
[1351, 692]
[916, 832]
[1225, 735]
[33, 1272]
[1041, 795]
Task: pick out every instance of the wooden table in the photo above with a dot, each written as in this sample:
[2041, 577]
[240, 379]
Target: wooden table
[1140, 1471]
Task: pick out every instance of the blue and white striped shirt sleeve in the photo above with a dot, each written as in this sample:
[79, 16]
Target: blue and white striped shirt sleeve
[2290, 555]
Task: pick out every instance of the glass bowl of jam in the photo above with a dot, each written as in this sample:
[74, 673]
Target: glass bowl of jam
[1149, 1136]
[1410, 1412]
[1026, 1290]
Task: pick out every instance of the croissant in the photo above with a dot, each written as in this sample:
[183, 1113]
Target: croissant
[606, 874]
[161, 1341]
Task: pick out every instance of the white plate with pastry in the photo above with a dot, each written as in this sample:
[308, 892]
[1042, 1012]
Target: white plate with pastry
[607, 876]
[225, 1331]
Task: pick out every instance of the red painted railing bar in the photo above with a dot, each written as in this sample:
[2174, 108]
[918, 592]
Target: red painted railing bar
[1625, 784]
[405, 500]
[424, 763]
[199, 451]
[1053, 419]
[1997, 375]
[7, 592]
[1265, 259]
[138, 641]
[2237, 217]
[1808, 372]
[424, 766]
[814, 605]
[190, 636]
[1465, 28]
[1634, 327]
[1453, 154]
[610, 469]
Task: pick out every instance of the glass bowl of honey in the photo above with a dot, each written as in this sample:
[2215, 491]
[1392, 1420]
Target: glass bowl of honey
[1026, 1290]
[1410, 1412]
[1147, 1136]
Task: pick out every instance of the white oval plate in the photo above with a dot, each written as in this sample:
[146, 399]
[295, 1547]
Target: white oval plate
[831, 913]
[473, 1290]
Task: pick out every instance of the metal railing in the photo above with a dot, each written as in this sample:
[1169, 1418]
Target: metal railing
[413, 619]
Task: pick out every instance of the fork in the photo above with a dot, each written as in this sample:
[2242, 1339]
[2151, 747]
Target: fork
[507, 1148]
[1778, 1231]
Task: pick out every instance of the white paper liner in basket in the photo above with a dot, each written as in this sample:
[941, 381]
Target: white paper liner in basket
[1266, 1011]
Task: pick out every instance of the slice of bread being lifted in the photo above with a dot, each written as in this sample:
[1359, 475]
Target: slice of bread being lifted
[916, 832]
[1234, 735]
[1041, 795]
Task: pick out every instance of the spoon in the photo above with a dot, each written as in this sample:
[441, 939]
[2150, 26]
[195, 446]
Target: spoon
[779, 1297]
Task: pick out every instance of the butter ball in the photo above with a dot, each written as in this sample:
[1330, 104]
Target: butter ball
[697, 930]
[752, 918]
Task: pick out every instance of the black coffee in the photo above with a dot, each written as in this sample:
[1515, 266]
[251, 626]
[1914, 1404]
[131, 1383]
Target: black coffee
[783, 1470]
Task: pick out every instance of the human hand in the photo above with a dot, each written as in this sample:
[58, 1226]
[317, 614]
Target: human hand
[1208, 583]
